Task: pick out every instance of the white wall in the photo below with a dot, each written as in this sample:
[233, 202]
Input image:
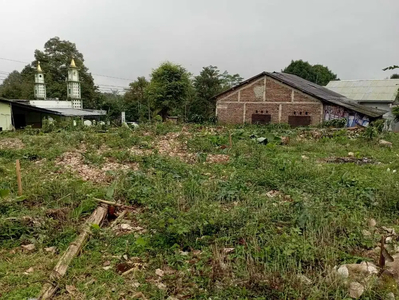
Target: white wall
[51, 103]
[5, 116]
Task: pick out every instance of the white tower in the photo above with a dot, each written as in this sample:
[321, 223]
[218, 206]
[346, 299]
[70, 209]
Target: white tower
[74, 93]
[40, 86]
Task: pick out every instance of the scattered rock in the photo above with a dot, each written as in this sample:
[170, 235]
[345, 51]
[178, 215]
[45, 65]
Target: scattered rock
[29, 247]
[385, 143]
[71, 289]
[183, 253]
[366, 233]
[228, 250]
[11, 143]
[390, 296]
[372, 223]
[343, 271]
[389, 230]
[356, 290]
[136, 284]
[351, 154]
[304, 157]
[304, 280]
[159, 272]
[126, 227]
[217, 158]
[125, 257]
[107, 263]
[107, 268]
[29, 271]
[50, 249]
[160, 285]
[273, 193]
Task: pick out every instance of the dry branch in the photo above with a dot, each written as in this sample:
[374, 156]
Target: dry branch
[61, 268]
[119, 219]
[114, 203]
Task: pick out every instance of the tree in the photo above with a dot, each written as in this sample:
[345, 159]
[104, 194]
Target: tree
[169, 89]
[14, 87]
[55, 60]
[395, 76]
[318, 74]
[137, 103]
[207, 84]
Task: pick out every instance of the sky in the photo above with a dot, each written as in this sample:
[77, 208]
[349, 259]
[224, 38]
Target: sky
[356, 39]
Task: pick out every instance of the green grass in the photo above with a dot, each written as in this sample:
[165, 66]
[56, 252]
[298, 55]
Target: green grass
[193, 211]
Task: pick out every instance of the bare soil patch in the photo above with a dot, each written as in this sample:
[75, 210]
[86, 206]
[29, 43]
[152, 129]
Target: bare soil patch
[11, 143]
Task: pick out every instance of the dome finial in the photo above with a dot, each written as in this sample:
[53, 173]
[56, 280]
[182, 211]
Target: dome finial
[73, 65]
[39, 69]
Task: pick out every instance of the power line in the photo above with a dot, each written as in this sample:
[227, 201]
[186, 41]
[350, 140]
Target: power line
[100, 75]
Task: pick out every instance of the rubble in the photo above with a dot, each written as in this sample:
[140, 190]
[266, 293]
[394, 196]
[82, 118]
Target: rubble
[11, 144]
[356, 290]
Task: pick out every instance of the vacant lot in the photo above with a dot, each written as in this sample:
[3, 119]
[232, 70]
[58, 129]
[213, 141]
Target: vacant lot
[205, 220]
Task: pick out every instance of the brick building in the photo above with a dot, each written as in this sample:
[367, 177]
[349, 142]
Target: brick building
[286, 98]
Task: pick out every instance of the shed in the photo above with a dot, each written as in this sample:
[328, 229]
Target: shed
[20, 113]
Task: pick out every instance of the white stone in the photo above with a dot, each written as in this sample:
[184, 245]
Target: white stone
[356, 290]
[343, 271]
[372, 222]
[304, 280]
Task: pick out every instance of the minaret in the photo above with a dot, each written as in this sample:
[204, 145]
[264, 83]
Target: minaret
[40, 86]
[73, 83]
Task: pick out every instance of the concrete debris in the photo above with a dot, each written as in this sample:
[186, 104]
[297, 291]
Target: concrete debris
[126, 227]
[351, 154]
[71, 289]
[385, 143]
[304, 157]
[160, 285]
[107, 268]
[11, 143]
[273, 193]
[390, 296]
[356, 290]
[135, 284]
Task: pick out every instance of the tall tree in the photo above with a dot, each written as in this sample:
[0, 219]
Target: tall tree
[169, 89]
[137, 102]
[318, 74]
[207, 84]
[14, 87]
[395, 76]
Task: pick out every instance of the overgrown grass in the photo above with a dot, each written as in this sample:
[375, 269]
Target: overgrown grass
[193, 212]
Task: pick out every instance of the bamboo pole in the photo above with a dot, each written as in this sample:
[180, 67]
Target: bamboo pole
[19, 180]
[59, 271]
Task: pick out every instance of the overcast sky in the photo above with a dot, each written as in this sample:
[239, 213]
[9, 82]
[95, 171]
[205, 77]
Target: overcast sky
[128, 38]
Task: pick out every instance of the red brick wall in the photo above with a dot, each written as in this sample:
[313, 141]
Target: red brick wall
[277, 92]
[262, 109]
[301, 97]
[296, 109]
[275, 99]
[253, 92]
[230, 113]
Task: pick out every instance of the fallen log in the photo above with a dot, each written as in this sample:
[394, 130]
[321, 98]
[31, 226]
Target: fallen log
[49, 289]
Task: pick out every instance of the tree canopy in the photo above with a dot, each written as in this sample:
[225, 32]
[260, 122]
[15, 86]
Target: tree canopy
[168, 89]
[318, 74]
[395, 76]
[54, 60]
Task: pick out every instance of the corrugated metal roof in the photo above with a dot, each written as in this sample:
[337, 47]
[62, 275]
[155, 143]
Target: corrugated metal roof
[325, 94]
[367, 90]
[66, 112]
[70, 112]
